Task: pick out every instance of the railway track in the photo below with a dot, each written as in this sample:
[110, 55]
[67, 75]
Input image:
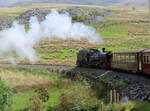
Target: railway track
[37, 65]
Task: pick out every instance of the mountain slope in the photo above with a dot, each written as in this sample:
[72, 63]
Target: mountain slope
[4, 3]
[134, 3]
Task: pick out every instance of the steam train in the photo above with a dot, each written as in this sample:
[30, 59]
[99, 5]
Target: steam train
[137, 61]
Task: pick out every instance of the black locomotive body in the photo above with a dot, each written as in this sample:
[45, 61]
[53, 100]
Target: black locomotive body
[94, 58]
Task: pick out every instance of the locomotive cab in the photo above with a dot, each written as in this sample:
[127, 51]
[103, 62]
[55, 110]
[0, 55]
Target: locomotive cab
[105, 59]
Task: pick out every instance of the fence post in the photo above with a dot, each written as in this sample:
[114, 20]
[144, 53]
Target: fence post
[114, 96]
[118, 98]
[111, 96]
[101, 107]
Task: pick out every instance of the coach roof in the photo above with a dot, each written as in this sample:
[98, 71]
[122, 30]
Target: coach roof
[133, 51]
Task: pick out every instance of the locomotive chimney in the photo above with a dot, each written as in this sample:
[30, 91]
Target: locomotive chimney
[103, 49]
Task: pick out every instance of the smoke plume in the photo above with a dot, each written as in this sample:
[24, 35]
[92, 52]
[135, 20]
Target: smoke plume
[17, 39]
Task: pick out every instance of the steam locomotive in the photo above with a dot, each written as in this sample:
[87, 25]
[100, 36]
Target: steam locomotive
[137, 61]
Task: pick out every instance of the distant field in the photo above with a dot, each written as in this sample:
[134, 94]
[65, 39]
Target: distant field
[129, 36]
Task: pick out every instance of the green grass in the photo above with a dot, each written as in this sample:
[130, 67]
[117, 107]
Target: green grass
[54, 101]
[142, 106]
[27, 70]
[118, 31]
[67, 54]
[129, 106]
[21, 100]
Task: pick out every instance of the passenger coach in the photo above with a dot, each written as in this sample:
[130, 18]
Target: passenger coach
[127, 60]
[146, 61]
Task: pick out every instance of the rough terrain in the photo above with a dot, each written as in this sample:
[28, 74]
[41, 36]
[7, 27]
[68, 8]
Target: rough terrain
[88, 16]
[138, 87]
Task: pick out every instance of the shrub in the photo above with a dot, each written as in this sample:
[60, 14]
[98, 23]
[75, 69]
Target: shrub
[5, 95]
[129, 106]
[78, 96]
[78, 18]
[99, 14]
[120, 84]
[104, 79]
[36, 104]
[43, 94]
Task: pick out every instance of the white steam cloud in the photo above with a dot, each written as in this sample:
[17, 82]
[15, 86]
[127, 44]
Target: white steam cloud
[16, 39]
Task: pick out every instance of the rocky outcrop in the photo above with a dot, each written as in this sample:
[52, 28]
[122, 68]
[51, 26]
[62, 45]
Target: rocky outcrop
[5, 23]
[39, 13]
[89, 16]
[76, 12]
[95, 20]
[138, 87]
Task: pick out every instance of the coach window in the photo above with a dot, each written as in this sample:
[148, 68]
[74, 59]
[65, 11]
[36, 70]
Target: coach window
[147, 59]
[123, 58]
[118, 58]
[127, 58]
[114, 60]
[144, 59]
[132, 58]
[135, 57]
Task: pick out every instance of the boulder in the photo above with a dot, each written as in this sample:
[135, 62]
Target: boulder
[97, 19]
[77, 12]
[39, 13]
[5, 23]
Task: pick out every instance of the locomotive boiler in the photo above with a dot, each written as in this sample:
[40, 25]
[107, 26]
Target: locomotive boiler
[94, 58]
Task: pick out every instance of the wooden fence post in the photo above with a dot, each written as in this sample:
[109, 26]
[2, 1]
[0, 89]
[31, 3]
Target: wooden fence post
[111, 96]
[118, 98]
[114, 96]
[101, 107]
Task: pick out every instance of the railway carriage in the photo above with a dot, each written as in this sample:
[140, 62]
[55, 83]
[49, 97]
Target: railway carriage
[146, 61]
[127, 61]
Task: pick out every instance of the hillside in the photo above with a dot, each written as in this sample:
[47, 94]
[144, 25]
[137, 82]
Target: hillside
[50, 44]
[5, 3]
[121, 30]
